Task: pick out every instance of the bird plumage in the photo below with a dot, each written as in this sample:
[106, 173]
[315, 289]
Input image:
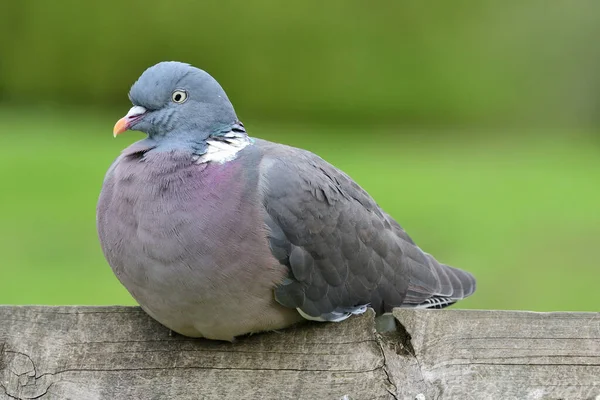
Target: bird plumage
[342, 249]
[216, 234]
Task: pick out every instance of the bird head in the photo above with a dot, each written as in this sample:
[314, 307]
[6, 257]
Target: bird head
[173, 99]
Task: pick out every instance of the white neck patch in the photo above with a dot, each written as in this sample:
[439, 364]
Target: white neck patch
[224, 149]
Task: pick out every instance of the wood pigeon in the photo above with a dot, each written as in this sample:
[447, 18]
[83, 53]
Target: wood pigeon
[217, 234]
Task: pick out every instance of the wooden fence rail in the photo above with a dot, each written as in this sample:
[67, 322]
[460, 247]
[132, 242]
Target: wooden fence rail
[82, 353]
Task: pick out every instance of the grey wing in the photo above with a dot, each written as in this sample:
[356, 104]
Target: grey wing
[343, 252]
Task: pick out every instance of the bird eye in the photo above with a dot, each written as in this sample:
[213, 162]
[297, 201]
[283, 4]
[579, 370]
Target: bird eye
[179, 96]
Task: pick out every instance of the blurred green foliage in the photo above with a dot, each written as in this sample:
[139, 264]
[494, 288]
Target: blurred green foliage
[473, 123]
[521, 214]
[409, 61]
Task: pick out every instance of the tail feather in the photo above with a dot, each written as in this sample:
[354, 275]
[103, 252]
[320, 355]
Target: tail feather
[435, 302]
[435, 285]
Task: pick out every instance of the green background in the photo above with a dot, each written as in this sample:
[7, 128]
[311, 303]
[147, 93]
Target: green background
[475, 124]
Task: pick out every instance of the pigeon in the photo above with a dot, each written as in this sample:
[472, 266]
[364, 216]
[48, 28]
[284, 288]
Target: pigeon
[217, 234]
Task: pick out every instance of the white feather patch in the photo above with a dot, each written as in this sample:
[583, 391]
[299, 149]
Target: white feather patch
[334, 316]
[223, 151]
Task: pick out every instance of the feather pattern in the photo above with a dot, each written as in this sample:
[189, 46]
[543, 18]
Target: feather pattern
[216, 234]
[343, 252]
[224, 147]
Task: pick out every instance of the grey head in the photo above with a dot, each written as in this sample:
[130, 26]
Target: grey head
[174, 101]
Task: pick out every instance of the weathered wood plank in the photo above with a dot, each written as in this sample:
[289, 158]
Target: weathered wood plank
[464, 354]
[121, 353]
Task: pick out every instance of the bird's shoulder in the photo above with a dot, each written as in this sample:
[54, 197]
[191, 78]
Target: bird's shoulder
[288, 171]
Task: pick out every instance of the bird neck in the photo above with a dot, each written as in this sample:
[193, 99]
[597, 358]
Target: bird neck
[220, 146]
[224, 145]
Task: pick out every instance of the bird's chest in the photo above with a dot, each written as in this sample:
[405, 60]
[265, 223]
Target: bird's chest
[189, 243]
[165, 226]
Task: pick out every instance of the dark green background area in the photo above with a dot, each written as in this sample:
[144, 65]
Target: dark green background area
[399, 61]
[475, 124]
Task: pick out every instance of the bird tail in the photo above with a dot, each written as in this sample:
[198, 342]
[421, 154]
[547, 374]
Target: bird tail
[435, 285]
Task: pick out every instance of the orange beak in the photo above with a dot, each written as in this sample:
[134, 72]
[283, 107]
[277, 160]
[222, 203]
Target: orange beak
[134, 114]
[121, 126]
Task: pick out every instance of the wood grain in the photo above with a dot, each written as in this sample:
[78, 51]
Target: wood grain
[120, 353]
[468, 354]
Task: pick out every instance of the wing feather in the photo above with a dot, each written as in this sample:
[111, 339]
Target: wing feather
[342, 250]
